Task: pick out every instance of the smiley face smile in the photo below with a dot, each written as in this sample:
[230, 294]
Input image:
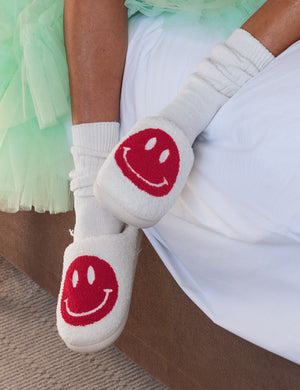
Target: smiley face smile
[71, 313]
[163, 183]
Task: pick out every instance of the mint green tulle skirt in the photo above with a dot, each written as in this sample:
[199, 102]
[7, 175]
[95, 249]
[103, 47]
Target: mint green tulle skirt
[222, 15]
[35, 158]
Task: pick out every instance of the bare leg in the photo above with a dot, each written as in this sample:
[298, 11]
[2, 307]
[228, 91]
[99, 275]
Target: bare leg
[96, 44]
[276, 24]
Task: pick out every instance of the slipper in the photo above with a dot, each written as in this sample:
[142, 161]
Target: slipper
[96, 287]
[145, 173]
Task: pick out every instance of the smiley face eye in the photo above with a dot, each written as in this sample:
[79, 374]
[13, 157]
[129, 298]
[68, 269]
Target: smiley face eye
[75, 278]
[164, 155]
[91, 275]
[151, 143]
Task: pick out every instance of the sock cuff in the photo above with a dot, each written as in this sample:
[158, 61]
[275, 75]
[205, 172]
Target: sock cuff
[98, 136]
[249, 47]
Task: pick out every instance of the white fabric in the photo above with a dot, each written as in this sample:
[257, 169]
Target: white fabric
[232, 241]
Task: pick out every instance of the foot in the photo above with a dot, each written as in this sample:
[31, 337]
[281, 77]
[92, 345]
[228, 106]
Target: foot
[145, 173]
[99, 265]
[96, 288]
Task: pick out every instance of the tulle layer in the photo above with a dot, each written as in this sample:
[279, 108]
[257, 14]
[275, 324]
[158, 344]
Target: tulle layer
[222, 15]
[35, 156]
[34, 169]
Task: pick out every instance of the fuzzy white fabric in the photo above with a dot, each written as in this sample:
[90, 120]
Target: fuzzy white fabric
[92, 142]
[232, 240]
[123, 199]
[120, 251]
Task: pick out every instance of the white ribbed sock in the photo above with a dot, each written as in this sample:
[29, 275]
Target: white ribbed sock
[92, 142]
[230, 66]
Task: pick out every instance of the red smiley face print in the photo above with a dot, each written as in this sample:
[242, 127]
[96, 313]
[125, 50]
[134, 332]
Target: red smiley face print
[150, 160]
[90, 291]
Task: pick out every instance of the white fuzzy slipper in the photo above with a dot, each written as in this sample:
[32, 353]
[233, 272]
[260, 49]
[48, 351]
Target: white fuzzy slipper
[145, 173]
[96, 288]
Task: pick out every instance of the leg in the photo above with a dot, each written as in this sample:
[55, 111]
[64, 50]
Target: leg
[152, 163]
[96, 45]
[99, 265]
[276, 24]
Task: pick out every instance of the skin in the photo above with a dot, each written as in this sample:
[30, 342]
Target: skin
[96, 43]
[276, 24]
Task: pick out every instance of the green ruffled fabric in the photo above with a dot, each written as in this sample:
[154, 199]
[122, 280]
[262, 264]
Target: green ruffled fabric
[222, 15]
[35, 157]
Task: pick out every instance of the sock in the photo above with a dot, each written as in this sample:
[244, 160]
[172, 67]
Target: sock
[92, 142]
[230, 66]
